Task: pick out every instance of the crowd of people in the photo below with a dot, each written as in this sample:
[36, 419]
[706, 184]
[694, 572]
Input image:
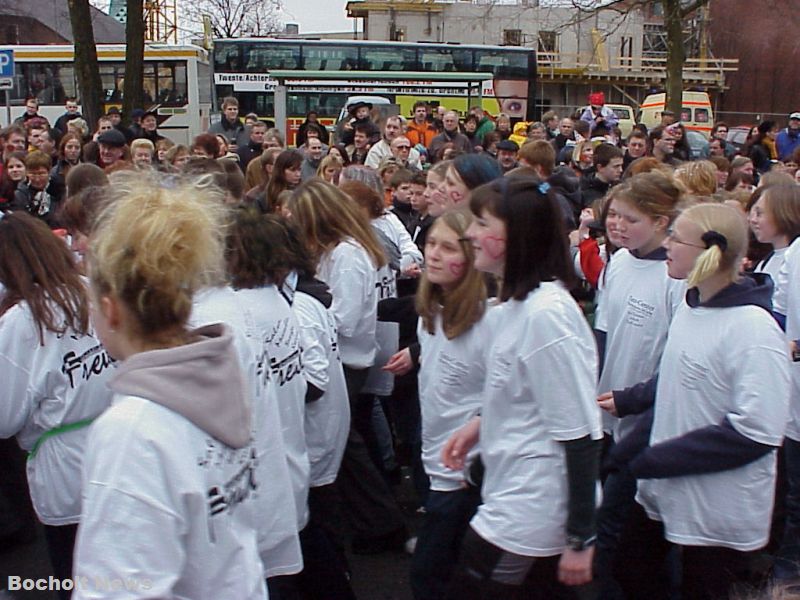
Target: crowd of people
[218, 358]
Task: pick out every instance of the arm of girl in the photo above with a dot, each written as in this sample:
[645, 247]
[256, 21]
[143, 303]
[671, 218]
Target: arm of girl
[583, 463]
[400, 363]
[460, 443]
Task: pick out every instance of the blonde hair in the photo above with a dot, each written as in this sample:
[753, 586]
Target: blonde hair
[327, 216]
[155, 245]
[698, 177]
[142, 143]
[464, 305]
[578, 150]
[728, 223]
[656, 194]
[329, 161]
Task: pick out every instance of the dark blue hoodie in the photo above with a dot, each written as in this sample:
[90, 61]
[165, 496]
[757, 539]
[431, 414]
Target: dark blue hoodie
[706, 450]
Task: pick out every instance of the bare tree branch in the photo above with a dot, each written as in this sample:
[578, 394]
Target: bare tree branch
[235, 18]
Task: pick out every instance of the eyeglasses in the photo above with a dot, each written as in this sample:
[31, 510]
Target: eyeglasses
[673, 239]
[403, 147]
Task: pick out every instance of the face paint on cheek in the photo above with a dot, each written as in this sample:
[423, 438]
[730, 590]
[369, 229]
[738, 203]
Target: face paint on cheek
[456, 267]
[494, 246]
[456, 196]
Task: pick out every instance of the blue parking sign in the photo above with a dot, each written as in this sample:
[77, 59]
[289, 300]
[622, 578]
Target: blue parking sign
[6, 63]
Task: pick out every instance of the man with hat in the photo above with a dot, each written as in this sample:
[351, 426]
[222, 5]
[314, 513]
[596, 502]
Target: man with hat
[136, 123]
[112, 148]
[597, 112]
[507, 155]
[150, 127]
[114, 115]
[789, 138]
[359, 115]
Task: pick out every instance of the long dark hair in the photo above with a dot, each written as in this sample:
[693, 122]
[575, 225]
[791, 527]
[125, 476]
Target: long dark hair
[537, 248]
[37, 268]
[288, 159]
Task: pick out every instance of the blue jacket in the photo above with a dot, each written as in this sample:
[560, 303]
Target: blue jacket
[786, 142]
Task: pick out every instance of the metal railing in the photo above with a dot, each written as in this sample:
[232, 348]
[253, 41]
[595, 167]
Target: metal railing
[585, 63]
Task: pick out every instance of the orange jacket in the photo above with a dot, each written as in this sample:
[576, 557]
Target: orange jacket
[420, 134]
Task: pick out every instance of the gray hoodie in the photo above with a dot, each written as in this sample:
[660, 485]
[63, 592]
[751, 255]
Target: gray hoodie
[201, 381]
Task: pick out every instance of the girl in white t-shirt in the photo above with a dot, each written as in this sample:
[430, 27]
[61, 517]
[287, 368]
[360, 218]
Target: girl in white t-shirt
[539, 429]
[172, 488]
[339, 237]
[637, 304]
[783, 203]
[259, 262]
[706, 481]
[775, 219]
[53, 371]
[451, 301]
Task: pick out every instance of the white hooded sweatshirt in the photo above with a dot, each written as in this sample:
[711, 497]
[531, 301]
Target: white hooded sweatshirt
[173, 493]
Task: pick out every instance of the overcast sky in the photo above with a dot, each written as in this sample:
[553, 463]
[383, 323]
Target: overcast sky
[318, 15]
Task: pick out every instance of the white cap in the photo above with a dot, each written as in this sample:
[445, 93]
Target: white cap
[795, 115]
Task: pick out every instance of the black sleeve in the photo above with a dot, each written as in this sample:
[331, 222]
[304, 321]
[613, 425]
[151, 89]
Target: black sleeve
[583, 465]
[630, 446]
[414, 349]
[600, 338]
[636, 399]
[706, 450]
[313, 393]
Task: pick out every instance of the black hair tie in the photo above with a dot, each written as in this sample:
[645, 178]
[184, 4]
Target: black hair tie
[715, 238]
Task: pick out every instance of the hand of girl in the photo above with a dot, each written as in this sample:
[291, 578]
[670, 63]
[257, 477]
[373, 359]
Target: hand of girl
[606, 402]
[455, 451]
[400, 363]
[575, 566]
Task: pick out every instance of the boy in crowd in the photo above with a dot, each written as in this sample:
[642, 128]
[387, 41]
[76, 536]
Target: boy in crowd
[420, 221]
[400, 184]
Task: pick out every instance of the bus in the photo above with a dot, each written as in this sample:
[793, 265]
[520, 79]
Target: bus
[177, 83]
[242, 69]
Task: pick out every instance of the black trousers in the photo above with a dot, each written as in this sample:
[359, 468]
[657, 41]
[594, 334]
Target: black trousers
[371, 508]
[484, 570]
[61, 548]
[708, 572]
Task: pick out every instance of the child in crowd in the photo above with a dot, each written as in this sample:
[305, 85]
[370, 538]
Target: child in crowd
[716, 426]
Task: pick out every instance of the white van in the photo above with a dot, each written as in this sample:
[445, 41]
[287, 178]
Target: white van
[696, 112]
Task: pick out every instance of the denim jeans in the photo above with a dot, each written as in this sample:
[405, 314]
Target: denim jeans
[447, 516]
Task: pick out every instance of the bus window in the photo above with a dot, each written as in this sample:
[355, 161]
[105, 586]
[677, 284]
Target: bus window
[443, 60]
[296, 104]
[330, 58]
[227, 57]
[701, 115]
[388, 58]
[686, 114]
[326, 105]
[50, 83]
[260, 59]
[112, 77]
[171, 83]
[502, 63]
